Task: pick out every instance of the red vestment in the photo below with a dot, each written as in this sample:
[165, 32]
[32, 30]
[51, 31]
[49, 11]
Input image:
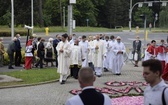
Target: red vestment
[28, 59]
[152, 50]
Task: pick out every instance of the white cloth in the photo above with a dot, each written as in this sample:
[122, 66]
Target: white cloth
[153, 95]
[111, 53]
[161, 56]
[85, 47]
[63, 58]
[147, 55]
[106, 55]
[118, 58]
[48, 46]
[28, 52]
[76, 55]
[98, 53]
[91, 51]
[76, 100]
[98, 70]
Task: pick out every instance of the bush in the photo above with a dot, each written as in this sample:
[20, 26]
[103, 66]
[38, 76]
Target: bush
[6, 33]
[6, 57]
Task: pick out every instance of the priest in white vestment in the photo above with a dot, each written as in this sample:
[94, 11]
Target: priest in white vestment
[76, 59]
[98, 55]
[91, 52]
[64, 53]
[112, 42]
[119, 50]
[107, 54]
[85, 46]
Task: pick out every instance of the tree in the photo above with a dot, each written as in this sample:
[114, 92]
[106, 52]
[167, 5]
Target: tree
[145, 11]
[83, 12]
[163, 17]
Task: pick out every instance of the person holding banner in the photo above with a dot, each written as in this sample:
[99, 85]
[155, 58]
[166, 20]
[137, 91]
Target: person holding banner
[29, 54]
[136, 51]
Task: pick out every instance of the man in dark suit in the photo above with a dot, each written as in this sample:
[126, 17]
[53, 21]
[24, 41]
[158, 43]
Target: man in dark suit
[55, 43]
[40, 53]
[137, 50]
[10, 51]
[89, 95]
[18, 55]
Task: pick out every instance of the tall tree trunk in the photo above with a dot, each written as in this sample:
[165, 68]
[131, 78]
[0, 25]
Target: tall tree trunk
[41, 13]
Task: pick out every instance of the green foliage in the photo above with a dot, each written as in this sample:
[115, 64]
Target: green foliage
[163, 18]
[101, 13]
[143, 11]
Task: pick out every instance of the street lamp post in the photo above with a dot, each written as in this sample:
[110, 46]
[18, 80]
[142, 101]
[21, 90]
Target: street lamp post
[63, 17]
[70, 17]
[130, 17]
[156, 18]
[32, 22]
[12, 19]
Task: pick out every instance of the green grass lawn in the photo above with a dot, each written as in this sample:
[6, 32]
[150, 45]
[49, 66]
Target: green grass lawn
[33, 76]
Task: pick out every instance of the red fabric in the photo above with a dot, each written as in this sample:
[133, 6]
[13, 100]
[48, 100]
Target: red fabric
[165, 73]
[28, 62]
[29, 42]
[163, 65]
[161, 49]
[152, 50]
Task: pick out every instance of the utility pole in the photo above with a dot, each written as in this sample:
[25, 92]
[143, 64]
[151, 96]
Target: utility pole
[12, 20]
[130, 17]
[63, 17]
[32, 20]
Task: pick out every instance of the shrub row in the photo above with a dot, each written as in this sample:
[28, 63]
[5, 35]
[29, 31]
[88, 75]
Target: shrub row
[8, 33]
[6, 58]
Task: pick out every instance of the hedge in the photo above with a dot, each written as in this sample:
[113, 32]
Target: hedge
[8, 33]
[6, 58]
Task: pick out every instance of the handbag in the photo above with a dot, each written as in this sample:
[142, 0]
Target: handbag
[135, 56]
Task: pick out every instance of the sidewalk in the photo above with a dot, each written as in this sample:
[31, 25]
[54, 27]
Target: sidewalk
[56, 94]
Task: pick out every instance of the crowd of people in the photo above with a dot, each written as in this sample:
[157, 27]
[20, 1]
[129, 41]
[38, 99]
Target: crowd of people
[81, 57]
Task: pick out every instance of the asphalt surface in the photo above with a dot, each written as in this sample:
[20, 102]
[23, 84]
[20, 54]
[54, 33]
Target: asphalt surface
[56, 94]
[127, 37]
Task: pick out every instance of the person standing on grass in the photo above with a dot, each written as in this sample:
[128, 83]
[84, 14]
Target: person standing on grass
[49, 52]
[89, 95]
[136, 51]
[29, 54]
[10, 51]
[156, 93]
[55, 43]
[40, 53]
[18, 55]
[2, 51]
[64, 53]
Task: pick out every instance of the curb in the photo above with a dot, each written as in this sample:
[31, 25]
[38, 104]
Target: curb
[26, 85]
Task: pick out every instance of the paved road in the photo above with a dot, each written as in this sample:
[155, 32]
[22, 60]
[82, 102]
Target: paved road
[56, 94]
[127, 37]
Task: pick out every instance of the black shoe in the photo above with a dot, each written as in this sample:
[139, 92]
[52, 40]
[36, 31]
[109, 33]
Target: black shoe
[98, 75]
[63, 82]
